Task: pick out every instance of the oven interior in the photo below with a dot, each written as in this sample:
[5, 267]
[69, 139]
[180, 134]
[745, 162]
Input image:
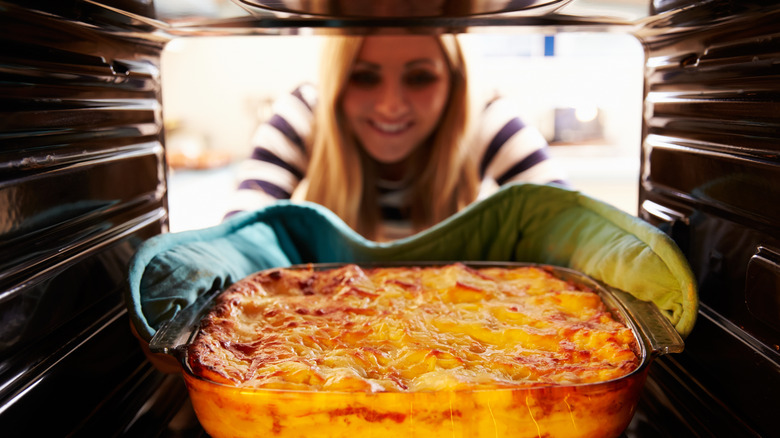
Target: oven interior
[88, 171]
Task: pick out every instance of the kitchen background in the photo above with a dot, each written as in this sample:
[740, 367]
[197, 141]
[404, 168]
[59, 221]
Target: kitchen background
[582, 90]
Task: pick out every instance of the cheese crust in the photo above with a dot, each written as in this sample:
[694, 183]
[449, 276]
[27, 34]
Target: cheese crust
[410, 329]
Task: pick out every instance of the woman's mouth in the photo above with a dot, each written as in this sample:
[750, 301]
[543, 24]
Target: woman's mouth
[389, 128]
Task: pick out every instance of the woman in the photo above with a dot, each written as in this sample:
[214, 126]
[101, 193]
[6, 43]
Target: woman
[386, 140]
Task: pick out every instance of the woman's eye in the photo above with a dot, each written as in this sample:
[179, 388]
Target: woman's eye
[364, 78]
[420, 78]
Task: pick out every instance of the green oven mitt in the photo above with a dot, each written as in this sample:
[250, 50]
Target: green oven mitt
[522, 222]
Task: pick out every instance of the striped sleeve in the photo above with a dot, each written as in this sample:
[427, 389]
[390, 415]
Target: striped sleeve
[278, 160]
[511, 151]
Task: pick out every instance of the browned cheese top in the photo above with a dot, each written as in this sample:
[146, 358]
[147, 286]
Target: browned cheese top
[432, 328]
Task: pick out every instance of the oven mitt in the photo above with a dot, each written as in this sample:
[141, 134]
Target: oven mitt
[521, 222]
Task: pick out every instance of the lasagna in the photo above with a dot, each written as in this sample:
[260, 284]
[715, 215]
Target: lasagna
[446, 327]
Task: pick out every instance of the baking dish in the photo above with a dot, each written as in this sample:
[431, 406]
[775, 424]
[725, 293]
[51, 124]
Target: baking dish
[601, 409]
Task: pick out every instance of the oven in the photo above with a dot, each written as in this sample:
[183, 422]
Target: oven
[84, 180]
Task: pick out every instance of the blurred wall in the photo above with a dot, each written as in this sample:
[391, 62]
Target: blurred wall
[217, 88]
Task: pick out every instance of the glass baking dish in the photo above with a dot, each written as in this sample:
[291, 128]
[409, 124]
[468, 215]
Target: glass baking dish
[601, 409]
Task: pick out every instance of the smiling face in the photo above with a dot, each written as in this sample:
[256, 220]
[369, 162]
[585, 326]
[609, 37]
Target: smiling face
[396, 94]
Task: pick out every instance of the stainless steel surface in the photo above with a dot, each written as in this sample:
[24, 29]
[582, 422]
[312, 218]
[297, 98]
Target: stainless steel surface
[255, 20]
[709, 178]
[405, 8]
[81, 185]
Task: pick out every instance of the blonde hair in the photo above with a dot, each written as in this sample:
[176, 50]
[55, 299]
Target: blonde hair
[340, 174]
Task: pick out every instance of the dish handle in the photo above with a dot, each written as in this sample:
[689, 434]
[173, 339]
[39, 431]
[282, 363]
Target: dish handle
[661, 336]
[174, 335]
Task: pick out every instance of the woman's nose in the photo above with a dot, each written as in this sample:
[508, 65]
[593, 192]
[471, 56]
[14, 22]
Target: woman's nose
[392, 101]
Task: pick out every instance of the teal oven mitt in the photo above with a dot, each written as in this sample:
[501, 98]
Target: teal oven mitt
[522, 222]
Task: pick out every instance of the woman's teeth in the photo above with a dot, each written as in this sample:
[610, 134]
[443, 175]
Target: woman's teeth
[390, 128]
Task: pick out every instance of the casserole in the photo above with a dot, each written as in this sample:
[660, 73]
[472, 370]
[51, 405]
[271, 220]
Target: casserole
[601, 408]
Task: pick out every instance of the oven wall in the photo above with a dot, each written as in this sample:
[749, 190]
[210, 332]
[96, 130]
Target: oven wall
[82, 183]
[710, 177]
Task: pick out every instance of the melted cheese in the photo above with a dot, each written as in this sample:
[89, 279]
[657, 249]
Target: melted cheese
[435, 328]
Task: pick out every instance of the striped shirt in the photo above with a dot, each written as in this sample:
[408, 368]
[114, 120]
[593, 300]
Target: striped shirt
[509, 152]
